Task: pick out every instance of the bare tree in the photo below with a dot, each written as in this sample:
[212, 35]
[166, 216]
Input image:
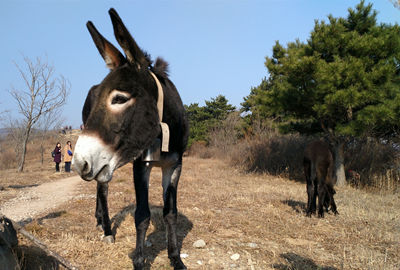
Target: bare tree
[43, 92]
[2, 116]
[50, 121]
[396, 3]
[15, 133]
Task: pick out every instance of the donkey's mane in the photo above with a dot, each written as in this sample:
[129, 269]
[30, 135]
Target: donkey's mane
[161, 67]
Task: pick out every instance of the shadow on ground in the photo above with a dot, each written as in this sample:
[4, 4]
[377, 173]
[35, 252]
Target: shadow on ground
[297, 262]
[158, 237]
[41, 219]
[33, 258]
[22, 186]
[298, 207]
[51, 216]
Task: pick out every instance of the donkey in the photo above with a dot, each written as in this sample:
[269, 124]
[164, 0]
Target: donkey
[134, 110]
[318, 169]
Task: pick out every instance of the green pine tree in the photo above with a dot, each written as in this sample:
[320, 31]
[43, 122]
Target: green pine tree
[344, 81]
[203, 119]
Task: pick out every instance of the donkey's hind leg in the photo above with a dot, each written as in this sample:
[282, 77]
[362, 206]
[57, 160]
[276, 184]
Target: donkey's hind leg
[331, 192]
[170, 181]
[103, 219]
[311, 194]
[322, 193]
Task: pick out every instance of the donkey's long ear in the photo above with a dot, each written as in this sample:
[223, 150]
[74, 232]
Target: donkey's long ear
[110, 54]
[132, 51]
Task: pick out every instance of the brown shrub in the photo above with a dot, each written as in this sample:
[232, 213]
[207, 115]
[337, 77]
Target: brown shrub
[267, 151]
[200, 149]
[226, 134]
[376, 161]
[275, 154]
[7, 159]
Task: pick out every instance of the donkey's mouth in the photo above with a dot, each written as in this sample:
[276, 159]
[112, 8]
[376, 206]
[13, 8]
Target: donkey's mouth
[104, 175]
[88, 176]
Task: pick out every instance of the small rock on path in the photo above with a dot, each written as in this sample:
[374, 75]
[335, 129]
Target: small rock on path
[235, 257]
[199, 243]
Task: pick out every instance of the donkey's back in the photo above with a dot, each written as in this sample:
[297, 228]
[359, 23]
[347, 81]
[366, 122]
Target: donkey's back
[320, 158]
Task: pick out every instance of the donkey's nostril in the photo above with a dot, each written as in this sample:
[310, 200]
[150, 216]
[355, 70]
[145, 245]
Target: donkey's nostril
[85, 168]
[87, 172]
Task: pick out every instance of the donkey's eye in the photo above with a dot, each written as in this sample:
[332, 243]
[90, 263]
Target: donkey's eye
[119, 99]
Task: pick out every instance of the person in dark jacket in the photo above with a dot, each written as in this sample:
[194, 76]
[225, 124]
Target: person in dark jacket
[57, 156]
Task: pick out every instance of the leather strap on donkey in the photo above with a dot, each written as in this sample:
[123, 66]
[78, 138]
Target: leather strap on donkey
[160, 107]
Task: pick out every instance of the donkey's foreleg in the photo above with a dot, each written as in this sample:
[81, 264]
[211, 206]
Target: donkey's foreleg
[141, 174]
[101, 214]
[170, 181]
[98, 213]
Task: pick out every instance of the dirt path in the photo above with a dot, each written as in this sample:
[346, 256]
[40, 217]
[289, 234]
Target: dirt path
[33, 201]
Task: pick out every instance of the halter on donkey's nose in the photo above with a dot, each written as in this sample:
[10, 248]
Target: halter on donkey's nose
[154, 152]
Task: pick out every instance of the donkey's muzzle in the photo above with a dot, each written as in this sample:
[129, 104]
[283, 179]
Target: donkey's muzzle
[93, 160]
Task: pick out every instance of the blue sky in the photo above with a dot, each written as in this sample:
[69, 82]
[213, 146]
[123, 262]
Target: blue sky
[213, 46]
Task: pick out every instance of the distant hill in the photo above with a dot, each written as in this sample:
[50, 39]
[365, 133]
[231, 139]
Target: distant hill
[3, 131]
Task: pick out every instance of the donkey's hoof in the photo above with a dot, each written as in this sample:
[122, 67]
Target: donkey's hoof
[99, 228]
[109, 239]
[177, 263]
[138, 263]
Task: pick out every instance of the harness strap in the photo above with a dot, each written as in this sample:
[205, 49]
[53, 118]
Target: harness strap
[160, 108]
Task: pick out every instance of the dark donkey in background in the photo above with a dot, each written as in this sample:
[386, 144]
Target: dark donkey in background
[318, 169]
[122, 118]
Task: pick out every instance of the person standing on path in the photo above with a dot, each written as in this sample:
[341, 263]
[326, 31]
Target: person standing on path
[57, 156]
[68, 156]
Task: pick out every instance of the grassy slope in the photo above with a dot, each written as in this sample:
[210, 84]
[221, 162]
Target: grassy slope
[257, 216]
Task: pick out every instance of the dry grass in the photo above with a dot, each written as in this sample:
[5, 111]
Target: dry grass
[259, 217]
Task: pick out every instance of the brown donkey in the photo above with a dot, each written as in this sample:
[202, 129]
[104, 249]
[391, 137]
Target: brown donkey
[318, 169]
